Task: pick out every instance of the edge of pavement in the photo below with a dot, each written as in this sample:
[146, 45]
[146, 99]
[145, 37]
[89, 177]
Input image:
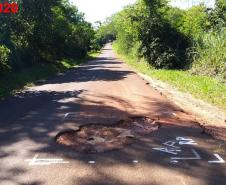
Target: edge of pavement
[210, 118]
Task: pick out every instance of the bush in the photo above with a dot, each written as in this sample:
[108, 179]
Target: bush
[195, 22]
[210, 55]
[44, 31]
[163, 45]
[4, 57]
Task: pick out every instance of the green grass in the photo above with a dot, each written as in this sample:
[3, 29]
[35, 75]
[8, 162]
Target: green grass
[210, 57]
[16, 81]
[202, 87]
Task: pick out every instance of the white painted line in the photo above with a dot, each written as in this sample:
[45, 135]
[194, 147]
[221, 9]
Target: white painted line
[196, 156]
[32, 161]
[135, 161]
[41, 162]
[185, 141]
[66, 115]
[220, 160]
[91, 162]
[174, 161]
[167, 150]
[171, 144]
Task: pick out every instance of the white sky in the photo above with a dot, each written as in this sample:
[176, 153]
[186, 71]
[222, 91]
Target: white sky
[99, 10]
[188, 3]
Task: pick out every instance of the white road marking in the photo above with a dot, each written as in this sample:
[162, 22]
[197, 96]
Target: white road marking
[171, 144]
[196, 157]
[66, 115]
[167, 150]
[185, 141]
[135, 161]
[41, 162]
[91, 162]
[174, 161]
[220, 160]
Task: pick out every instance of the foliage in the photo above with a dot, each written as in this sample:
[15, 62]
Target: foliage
[168, 37]
[162, 44]
[15, 81]
[210, 55]
[44, 31]
[4, 57]
[143, 30]
[171, 38]
[217, 16]
[201, 87]
[105, 33]
[175, 16]
[195, 22]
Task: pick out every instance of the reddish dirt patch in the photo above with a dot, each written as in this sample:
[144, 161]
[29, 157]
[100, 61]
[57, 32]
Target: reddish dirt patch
[139, 125]
[101, 138]
[214, 131]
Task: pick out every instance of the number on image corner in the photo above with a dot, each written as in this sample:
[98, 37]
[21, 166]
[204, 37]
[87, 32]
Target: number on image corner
[14, 7]
[1, 7]
[7, 7]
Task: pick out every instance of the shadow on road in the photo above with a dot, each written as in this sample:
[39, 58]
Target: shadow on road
[30, 120]
[92, 71]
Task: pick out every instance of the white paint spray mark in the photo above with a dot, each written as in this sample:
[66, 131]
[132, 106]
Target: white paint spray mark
[185, 141]
[174, 161]
[166, 150]
[171, 144]
[41, 162]
[220, 160]
[91, 162]
[135, 161]
[66, 115]
[195, 157]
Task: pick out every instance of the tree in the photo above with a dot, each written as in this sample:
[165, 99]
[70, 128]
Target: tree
[45, 31]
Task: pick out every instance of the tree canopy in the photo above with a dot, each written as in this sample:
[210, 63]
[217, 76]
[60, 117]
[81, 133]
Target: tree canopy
[43, 31]
[169, 37]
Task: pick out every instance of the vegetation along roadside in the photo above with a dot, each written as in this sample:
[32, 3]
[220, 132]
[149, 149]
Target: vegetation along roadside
[13, 82]
[45, 37]
[184, 47]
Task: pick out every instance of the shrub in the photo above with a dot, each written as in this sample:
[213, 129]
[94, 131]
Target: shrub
[164, 46]
[210, 55]
[4, 57]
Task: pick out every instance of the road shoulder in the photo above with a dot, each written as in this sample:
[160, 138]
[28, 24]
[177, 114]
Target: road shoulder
[211, 118]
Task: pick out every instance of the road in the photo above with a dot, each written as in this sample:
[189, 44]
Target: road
[103, 91]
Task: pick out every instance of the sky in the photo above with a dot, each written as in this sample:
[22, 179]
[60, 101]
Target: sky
[99, 10]
[188, 3]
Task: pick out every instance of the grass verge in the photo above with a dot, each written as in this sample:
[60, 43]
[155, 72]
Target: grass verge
[15, 81]
[201, 87]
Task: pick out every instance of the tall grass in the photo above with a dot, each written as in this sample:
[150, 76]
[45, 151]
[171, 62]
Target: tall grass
[210, 57]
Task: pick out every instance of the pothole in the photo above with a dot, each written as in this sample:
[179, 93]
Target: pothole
[102, 138]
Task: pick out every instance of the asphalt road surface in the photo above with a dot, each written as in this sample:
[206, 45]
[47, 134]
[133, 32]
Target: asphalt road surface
[103, 91]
